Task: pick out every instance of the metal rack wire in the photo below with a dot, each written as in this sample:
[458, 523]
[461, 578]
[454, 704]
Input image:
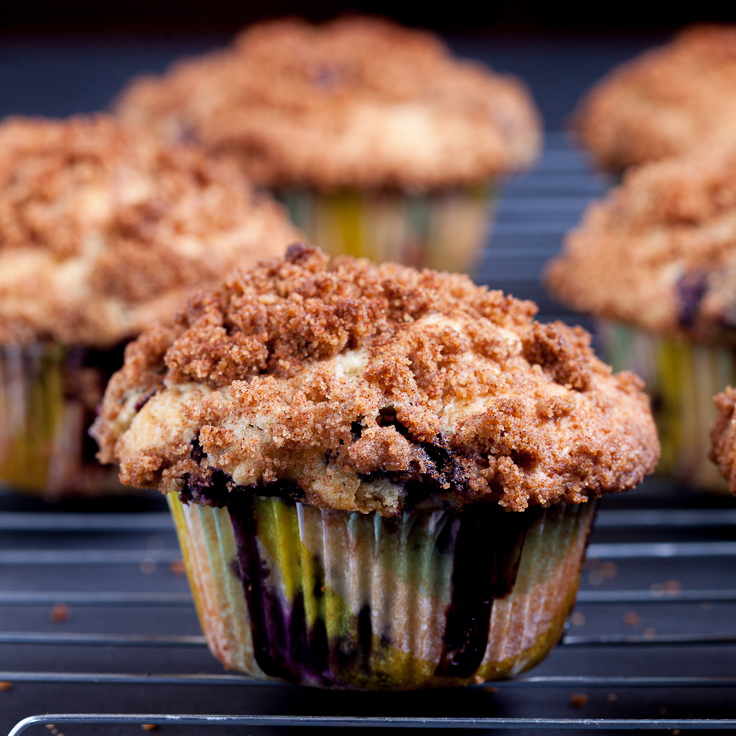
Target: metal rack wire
[96, 618]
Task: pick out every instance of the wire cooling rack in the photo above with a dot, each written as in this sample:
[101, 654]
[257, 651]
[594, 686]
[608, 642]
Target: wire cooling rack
[98, 632]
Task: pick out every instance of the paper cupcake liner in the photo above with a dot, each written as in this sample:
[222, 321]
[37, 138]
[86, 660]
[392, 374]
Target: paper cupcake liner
[48, 398]
[343, 600]
[443, 230]
[682, 378]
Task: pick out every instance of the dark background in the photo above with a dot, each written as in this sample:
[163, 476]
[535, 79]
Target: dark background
[59, 57]
[517, 15]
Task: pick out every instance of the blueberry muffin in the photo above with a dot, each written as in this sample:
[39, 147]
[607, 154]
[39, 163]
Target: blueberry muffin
[102, 231]
[665, 102]
[655, 262]
[723, 436]
[381, 478]
[379, 141]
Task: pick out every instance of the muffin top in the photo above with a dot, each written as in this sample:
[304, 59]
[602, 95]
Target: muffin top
[659, 251]
[103, 230]
[665, 102]
[372, 388]
[357, 102]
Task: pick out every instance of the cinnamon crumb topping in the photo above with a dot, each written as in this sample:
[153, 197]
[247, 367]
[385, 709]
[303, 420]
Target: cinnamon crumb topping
[660, 250]
[723, 437]
[665, 102]
[103, 230]
[356, 102]
[366, 388]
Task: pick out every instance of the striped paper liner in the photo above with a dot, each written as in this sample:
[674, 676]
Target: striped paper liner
[47, 403]
[343, 600]
[442, 230]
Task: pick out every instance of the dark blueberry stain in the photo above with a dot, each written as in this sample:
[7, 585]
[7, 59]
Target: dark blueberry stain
[387, 418]
[144, 399]
[281, 488]
[486, 559]
[283, 646]
[319, 649]
[443, 472]
[690, 289]
[213, 487]
[208, 490]
[365, 637]
[198, 454]
[444, 476]
[356, 429]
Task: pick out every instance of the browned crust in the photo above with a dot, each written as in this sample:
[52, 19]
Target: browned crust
[723, 437]
[357, 102]
[660, 250]
[103, 230]
[458, 387]
[665, 102]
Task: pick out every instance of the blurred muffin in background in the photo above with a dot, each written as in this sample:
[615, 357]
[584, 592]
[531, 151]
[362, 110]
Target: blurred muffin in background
[379, 141]
[665, 102]
[102, 232]
[655, 261]
[723, 436]
[381, 478]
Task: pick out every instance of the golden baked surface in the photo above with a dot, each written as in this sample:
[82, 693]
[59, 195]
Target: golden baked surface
[659, 251]
[723, 436]
[356, 102]
[103, 230]
[666, 101]
[367, 388]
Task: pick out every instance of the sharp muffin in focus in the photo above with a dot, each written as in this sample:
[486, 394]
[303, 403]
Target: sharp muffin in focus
[102, 231]
[381, 478]
[655, 261]
[665, 102]
[379, 141]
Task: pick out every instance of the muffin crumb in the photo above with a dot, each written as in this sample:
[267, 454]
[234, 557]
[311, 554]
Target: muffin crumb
[328, 393]
[104, 230]
[579, 700]
[665, 102]
[358, 102]
[659, 251]
[60, 613]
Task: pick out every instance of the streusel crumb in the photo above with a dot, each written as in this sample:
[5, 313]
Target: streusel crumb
[666, 102]
[104, 230]
[723, 437]
[362, 388]
[358, 102]
[660, 250]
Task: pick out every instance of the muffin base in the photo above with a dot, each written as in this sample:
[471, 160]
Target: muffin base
[682, 378]
[48, 398]
[350, 601]
[444, 230]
